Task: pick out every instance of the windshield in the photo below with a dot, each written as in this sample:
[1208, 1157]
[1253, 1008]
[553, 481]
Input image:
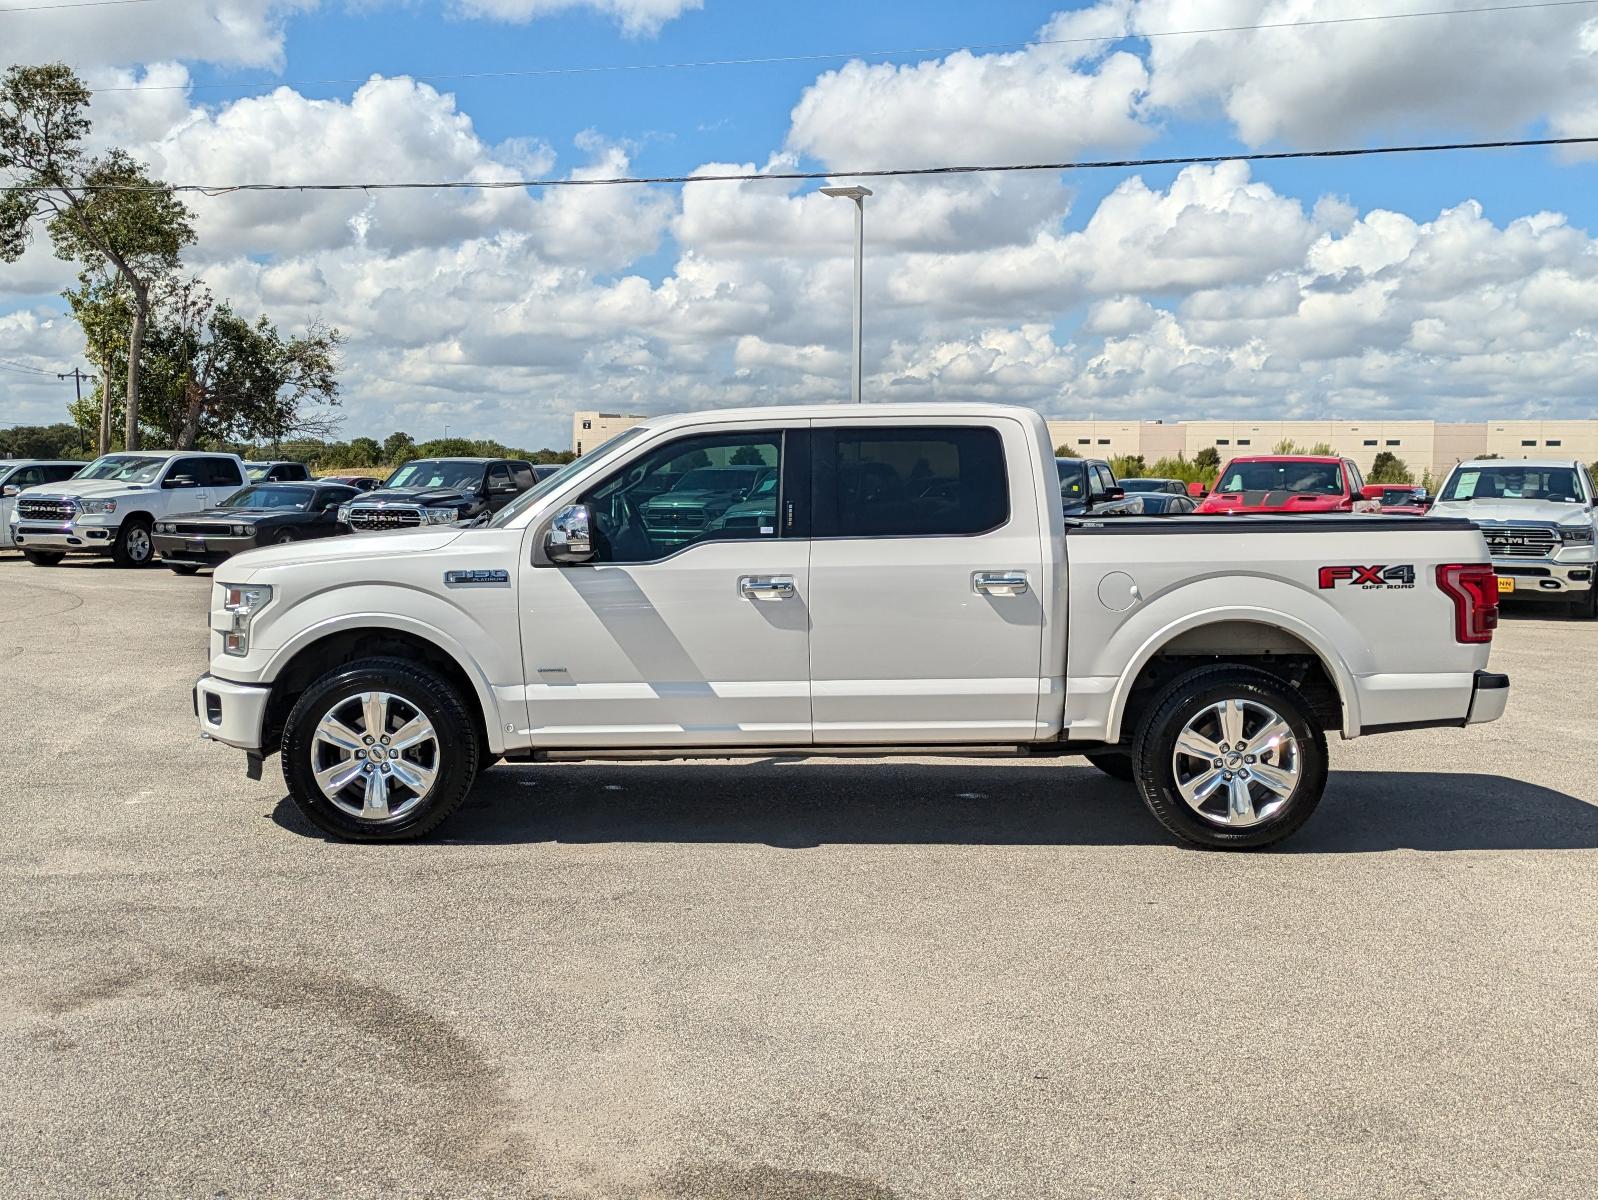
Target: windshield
[124, 468]
[426, 473]
[274, 495]
[256, 471]
[1073, 479]
[1314, 478]
[1143, 485]
[1511, 482]
[558, 480]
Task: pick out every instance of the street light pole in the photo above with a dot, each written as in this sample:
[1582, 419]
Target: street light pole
[858, 195]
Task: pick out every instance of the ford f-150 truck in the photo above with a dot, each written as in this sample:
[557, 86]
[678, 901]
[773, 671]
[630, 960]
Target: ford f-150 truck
[1539, 518]
[112, 505]
[1203, 659]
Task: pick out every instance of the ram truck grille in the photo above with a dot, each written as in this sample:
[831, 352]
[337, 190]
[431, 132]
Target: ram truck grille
[676, 518]
[370, 520]
[1528, 542]
[45, 509]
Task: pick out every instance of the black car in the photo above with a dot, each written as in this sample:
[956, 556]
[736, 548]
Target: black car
[1157, 504]
[1087, 485]
[260, 514]
[1172, 487]
[277, 472]
[440, 491]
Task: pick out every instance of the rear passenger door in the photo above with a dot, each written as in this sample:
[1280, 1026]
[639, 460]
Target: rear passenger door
[220, 478]
[925, 568]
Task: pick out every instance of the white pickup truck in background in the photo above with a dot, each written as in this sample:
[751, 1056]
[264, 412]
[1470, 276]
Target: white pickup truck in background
[909, 585]
[112, 505]
[1541, 525]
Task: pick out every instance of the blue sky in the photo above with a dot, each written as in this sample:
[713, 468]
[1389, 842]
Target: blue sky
[1158, 306]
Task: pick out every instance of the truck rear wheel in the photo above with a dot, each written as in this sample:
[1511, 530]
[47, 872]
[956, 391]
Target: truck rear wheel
[379, 750]
[1229, 757]
[43, 558]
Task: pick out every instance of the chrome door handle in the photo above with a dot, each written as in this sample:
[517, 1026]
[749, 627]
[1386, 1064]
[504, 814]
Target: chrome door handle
[765, 587]
[1000, 583]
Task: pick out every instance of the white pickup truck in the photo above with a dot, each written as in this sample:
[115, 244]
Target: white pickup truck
[1540, 518]
[909, 585]
[111, 506]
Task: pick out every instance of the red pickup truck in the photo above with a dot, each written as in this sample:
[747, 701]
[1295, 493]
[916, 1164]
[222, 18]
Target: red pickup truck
[1288, 483]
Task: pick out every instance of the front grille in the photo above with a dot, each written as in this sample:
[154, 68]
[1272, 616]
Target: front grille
[1527, 542]
[43, 508]
[191, 529]
[676, 518]
[370, 520]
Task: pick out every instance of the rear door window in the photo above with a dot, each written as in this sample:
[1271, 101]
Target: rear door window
[934, 481]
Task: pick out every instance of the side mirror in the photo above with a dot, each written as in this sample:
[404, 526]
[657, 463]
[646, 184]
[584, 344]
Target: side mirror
[1115, 493]
[569, 538]
[10, 489]
[180, 481]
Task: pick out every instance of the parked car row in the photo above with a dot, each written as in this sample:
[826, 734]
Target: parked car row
[196, 509]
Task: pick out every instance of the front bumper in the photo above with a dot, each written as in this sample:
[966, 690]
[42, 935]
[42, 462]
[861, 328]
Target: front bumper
[1547, 577]
[1489, 697]
[206, 551]
[231, 713]
[65, 535]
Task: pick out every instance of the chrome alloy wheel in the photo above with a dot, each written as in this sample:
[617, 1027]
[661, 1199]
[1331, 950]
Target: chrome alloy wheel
[138, 544]
[375, 756]
[1236, 763]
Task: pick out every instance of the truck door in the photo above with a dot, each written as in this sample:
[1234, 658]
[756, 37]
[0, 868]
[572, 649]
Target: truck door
[691, 625]
[925, 574]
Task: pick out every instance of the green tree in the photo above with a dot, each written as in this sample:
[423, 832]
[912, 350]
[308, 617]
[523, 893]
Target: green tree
[449, 448]
[42, 441]
[107, 212]
[365, 452]
[1180, 467]
[1208, 460]
[212, 376]
[747, 456]
[1128, 466]
[1387, 467]
[1065, 452]
[398, 448]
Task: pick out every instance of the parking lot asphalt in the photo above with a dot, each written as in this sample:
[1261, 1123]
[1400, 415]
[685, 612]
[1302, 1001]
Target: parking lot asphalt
[832, 980]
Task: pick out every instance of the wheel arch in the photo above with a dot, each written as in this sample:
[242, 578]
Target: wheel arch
[1269, 640]
[321, 648]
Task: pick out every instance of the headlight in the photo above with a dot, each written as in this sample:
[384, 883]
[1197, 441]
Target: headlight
[163, 527]
[240, 530]
[441, 516]
[97, 506]
[1576, 535]
[343, 514]
[243, 601]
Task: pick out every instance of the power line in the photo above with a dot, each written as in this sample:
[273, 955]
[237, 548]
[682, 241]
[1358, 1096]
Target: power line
[777, 60]
[874, 173]
[72, 4]
[23, 367]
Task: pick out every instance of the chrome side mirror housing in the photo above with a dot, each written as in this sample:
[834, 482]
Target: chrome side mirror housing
[569, 538]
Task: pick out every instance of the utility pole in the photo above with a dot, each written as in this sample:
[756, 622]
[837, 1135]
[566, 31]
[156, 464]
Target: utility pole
[77, 378]
[858, 195]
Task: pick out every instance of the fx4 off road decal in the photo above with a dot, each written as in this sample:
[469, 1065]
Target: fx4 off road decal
[1369, 577]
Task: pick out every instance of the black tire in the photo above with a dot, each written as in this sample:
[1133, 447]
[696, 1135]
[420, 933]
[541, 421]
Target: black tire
[1117, 764]
[133, 546]
[418, 689]
[181, 569]
[281, 538]
[43, 558]
[1585, 608]
[1183, 700]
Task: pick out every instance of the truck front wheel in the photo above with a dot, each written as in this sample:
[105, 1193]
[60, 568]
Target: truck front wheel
[379, 750]
[133, 547]
[43, 558]
[1229, 757]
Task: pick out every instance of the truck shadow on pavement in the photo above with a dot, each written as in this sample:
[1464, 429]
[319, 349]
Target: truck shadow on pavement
[793, 805]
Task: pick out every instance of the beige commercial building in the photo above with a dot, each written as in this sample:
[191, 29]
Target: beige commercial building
[590, 429]
[1423, 445]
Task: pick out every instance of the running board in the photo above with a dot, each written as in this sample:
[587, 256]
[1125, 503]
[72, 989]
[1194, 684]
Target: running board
[932, 750]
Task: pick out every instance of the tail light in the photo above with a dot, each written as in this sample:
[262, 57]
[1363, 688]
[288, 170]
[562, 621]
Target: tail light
[1474, 590]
